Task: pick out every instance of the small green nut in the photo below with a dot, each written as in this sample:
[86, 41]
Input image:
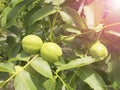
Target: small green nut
[31, 44]
[98, 50]
[51, 52]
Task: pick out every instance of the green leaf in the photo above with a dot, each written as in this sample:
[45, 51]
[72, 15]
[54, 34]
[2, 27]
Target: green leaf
[14, 29]
[57, 2]
[7, 67]
[67, 87]
[94, 14]
[4, 16]
[22, 57]
[49, 84]
[113, 71]
[76, 17]
[63, 87]
[38, 80]
[92, 78]
[23, 81]
[15, 2]
[73, 30]
[3, 76]
[40, 14]
[72, 79]
[42, 67]
[68, 38]
[1, 82]
[13, 47]
[76, 63]
[66, 18]
[14, 50]
[54, 2]
[30, 28]
[17, 10]
[48, 1]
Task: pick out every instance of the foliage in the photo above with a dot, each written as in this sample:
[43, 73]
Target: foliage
[53, 21]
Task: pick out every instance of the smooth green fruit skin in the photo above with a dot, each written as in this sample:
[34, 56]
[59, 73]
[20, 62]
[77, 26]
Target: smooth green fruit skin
[98, 50]
[31, 44]
[51, 52]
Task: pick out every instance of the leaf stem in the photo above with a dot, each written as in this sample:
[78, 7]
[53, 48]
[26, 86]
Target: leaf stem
[5, 82]
[110, 25]
[106, 26]
[99, 35]
[72, 78]
[54, 22]
[61, 80]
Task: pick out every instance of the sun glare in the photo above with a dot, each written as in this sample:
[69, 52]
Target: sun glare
[115, 5]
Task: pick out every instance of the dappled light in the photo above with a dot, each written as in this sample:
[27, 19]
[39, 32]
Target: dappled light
[59, 44]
